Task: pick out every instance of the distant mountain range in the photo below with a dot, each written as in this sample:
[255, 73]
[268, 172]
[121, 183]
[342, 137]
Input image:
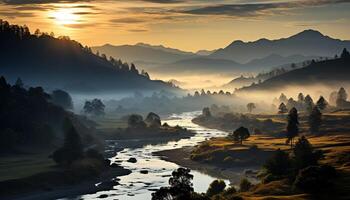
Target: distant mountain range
[328, 72]
[239, 56]
[146, 55]
[306, 43]
[42, 60]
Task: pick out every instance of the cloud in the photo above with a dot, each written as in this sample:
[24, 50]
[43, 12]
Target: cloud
[254, 9]
[127, 20]
[22, 2]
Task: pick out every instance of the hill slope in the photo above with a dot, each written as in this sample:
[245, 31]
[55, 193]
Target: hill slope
[307, 43]
[327, 72]
[63, 63]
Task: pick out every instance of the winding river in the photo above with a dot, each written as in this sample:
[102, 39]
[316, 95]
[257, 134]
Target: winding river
[138, 186]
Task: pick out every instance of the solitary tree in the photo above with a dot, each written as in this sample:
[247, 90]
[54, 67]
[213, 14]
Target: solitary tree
[292, 126]
[251, 107]
[315, 120]
[240, 134]
[321, 103]
[282, 108]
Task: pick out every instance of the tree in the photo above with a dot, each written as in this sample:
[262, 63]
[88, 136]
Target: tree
[94, 107]
[315, 120]
[301, 98]
[345, 53]
[333, 98]
[62, 98]
[321, 103]
[304, 155]
[292, 126]
[251, 107]
[291, 103]
[245, 185]
[341, 97]
[293, 66]
[282, 108]
[309, 103]
[216, 187]
[206, 112]
[181, 186]
[283, 98]
[72, 148]
[136, 121]
[279, 164]
[153, 120]
[19, 83]
[240, 134]
[133, 69]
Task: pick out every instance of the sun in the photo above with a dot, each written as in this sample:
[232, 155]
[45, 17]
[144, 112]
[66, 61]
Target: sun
[64, 16]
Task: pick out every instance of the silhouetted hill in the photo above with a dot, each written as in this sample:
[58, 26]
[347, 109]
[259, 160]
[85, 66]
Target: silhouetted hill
[326, 72]
[146, 55]
[62, 63]
[201, 65]
[306, 43]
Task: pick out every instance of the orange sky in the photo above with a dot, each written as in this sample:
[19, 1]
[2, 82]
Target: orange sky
[185, 24]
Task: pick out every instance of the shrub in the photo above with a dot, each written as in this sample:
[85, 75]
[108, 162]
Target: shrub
[216, 187]
[245, 185]
[279, 164]
[315, 178]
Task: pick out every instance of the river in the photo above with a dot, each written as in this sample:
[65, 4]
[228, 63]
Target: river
[138, 186]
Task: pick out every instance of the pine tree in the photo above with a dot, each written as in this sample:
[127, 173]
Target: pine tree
[292, 126]
[321, 103]
[315, 120]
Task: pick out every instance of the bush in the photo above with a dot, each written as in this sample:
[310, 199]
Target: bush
[216, 187]
[279, 164]
[245, 185]
[315, 178]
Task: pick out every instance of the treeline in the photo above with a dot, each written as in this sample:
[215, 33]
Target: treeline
[10, 33]
[337, 99]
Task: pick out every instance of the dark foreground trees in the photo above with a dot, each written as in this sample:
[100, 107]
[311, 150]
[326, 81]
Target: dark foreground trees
[62, 98]
[72, 148]
[180, 187]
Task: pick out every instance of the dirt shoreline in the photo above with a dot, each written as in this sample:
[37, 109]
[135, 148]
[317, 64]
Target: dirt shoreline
[73, 190]
[182, 157]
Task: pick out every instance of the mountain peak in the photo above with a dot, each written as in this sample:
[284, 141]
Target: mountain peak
[309, 33]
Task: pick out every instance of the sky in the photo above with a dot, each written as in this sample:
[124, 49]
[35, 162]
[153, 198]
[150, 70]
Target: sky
[189, 25]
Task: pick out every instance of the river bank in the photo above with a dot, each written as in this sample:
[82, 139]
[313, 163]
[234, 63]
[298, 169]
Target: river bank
[36, 187]
[182, 157]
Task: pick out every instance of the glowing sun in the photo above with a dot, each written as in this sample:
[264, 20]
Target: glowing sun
[64, 16]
